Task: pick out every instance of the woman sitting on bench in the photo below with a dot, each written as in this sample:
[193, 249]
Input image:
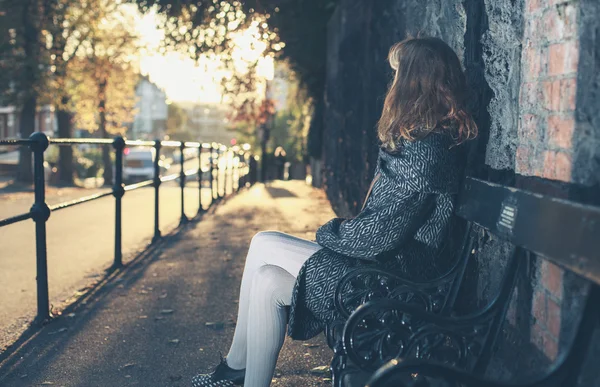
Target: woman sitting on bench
[402, 228]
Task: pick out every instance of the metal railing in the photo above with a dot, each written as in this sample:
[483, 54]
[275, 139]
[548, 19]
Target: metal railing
[40, 211]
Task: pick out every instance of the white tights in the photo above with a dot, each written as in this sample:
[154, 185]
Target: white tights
[272, 265]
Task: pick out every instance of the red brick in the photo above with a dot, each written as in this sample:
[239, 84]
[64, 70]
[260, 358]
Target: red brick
[531, 32]
[563, 58]
[523, 161]
[534, 62]
[533, 5]
[551, 90]
[560, 131]
[549, 170]
[536, 332]
[528, 128]
[552, 278]
[560, 22]
[567, 94]
[539, 306]
[564, 166]
[529, 94]
[552, 25]
[553, 317]
[550, 347]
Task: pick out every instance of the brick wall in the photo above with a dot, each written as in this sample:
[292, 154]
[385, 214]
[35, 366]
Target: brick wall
[547, 130]
[548, 89]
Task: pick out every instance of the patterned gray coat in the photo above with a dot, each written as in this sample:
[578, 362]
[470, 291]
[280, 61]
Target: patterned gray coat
[402, 228]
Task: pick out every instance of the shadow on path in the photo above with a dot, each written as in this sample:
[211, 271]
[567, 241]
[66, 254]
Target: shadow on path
[147, 326]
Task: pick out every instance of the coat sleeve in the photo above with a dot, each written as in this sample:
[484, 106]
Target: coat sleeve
[378, 228]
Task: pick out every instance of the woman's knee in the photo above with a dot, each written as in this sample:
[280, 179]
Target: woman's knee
[265, 237]
[273, 283]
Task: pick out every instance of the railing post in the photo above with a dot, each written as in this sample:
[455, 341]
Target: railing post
[157, 183]
[211, 161]
[218, 168]
[240, 170]
[220, 180]
[200, 209]
[231, 157]
[40, 214]
[184, 218]
[118, 192]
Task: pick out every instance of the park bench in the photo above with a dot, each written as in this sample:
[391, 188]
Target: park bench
[396, 328]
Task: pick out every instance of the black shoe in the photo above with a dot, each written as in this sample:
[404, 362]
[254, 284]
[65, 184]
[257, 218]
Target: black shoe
[223, 375]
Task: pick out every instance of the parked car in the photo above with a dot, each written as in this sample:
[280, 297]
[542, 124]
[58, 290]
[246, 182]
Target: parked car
[138, 164]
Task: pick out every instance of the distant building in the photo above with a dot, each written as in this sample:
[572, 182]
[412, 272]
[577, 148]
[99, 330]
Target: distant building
[8, 122]
[151, 119]
[45, 121]
[208, 122]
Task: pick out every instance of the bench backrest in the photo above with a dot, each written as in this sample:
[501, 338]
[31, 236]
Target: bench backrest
[560, 231]
[563, 232]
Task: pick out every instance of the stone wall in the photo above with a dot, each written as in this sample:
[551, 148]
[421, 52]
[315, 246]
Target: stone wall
[534, 72]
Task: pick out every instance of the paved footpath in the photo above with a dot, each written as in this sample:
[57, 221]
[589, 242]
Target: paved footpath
[147, 325]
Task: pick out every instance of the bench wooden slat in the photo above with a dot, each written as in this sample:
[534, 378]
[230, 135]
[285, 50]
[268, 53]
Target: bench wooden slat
[563, 232]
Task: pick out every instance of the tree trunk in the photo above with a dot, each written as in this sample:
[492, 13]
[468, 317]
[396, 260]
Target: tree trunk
[108, 175]
[266, 134]
[31, 32]
[26, 127]
[65, 155]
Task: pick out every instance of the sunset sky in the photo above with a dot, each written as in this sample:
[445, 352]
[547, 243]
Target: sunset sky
[181, 77]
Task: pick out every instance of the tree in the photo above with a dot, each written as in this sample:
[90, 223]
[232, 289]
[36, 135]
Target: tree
[22, 57]
[44, 36]
[293, 30]
[67, 32]
[103, 79]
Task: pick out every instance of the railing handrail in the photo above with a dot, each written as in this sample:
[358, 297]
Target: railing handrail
[40, 211]
[107, 141]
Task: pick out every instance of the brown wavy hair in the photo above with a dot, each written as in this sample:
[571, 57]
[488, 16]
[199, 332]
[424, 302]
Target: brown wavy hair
[428, 94]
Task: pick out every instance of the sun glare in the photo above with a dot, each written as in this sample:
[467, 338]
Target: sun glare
[185, 80]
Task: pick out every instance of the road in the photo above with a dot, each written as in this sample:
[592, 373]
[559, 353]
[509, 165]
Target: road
[80, 245]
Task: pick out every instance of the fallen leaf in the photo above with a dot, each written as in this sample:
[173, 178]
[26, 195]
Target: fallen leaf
[216, 325]
[159, 318]
[142, 316]
[174, 341]
[321, 370]
[166, 311]
[71, 315]
[126, 366]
